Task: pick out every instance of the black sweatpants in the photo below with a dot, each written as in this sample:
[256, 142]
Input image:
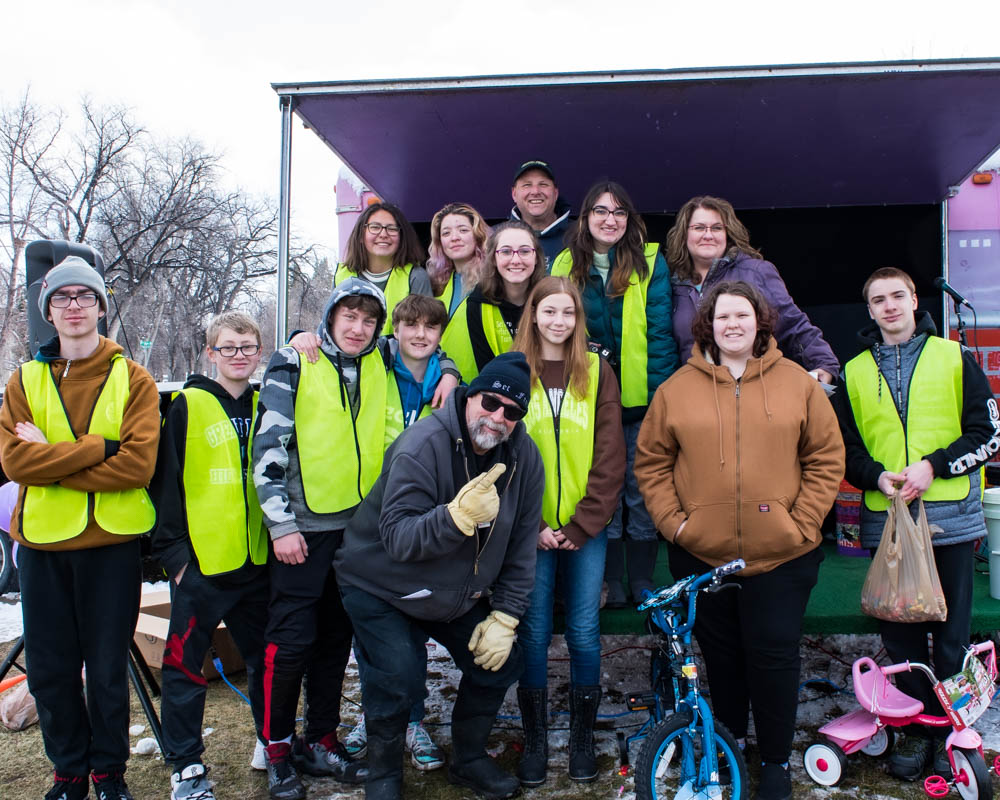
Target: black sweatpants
[197, 606]
[907, 641]
[386, 640]
[750, 640]
[308, 633]
[80, 608]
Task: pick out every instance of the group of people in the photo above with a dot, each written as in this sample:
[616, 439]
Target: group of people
[462, 439]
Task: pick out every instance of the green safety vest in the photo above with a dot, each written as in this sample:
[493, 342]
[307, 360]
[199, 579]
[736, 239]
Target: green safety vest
[394, 422]
[336, 459]
[567, 449]
[933, 416]
[56, 513]
[215, 487]
[396, 288]
[456, 342]
[634, 349]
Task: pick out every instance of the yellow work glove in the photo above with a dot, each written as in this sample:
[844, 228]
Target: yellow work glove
[492, 639]
[477, 501]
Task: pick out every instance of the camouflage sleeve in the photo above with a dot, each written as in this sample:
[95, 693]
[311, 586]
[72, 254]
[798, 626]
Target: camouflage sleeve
[272, 437]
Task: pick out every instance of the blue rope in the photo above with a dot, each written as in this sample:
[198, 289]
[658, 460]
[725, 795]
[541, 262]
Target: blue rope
[218, 668]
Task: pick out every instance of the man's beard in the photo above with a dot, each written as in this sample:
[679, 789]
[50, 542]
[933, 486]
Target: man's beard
[486, 434]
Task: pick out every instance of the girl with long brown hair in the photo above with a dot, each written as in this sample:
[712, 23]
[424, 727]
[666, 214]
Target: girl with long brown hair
[626, 294]
[574, 417]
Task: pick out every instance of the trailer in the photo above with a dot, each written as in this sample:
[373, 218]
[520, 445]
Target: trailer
[836, 169]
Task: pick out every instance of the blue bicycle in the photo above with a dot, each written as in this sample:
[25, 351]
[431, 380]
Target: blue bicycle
[675, 761]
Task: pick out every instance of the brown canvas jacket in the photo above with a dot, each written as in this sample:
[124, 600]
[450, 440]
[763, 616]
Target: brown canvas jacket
[753, 465]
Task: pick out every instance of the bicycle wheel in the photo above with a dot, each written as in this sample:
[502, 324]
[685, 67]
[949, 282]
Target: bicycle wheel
[669, 762]
[972, 778]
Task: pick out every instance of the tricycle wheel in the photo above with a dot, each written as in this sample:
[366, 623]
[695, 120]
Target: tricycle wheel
[825, 763]
[972, 778]
[881, 743]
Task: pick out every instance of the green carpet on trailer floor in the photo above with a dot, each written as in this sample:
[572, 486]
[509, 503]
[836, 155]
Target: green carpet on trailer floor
[835, 604]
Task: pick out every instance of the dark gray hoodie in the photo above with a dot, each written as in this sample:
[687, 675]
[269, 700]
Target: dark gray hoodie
[402, 545]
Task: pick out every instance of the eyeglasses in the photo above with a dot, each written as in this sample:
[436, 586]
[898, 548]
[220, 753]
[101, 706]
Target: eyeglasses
[508, 252]
[702, 229]
[375, 228]
[83, 300]
[229, 350]
[600, 212]
[510, 413]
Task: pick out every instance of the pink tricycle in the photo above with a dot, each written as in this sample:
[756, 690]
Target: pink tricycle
[884, 707]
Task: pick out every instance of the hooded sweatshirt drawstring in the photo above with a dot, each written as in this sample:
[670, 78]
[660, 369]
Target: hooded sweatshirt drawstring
[718, 416]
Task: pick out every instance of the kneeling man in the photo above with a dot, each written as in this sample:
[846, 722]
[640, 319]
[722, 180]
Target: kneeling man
[444, 546]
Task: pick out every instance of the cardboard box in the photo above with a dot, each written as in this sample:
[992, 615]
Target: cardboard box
[151, 636]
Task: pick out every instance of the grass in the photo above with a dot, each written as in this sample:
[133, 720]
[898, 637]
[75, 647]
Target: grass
[25, 772]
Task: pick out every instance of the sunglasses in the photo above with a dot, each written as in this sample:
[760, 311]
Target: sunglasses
[510, 413]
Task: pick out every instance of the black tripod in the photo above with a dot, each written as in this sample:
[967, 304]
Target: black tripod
[139, 673]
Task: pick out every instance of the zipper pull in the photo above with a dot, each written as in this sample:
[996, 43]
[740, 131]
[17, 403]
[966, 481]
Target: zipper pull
[66, 370]
[475, 566]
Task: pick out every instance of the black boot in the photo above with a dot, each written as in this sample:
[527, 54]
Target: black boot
[614, 571]
[583, 704]
[470, 765]
[641, 561]
[385, 757]
[534, 705]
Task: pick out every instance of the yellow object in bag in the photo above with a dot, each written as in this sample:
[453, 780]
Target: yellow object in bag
[902, 584]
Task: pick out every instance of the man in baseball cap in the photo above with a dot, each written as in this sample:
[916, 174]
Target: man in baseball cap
[536, 202]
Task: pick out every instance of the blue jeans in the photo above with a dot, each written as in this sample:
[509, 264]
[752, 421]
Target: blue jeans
[583, 571]
[640, 525]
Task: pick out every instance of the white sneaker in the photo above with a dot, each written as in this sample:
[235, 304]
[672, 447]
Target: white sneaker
[191, 783]
[356, 742]
[424, 752]
[259, 761]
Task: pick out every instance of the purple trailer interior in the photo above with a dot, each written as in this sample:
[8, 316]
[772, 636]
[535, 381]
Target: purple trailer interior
[770, 139]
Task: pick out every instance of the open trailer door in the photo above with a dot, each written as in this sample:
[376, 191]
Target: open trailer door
[836, 169]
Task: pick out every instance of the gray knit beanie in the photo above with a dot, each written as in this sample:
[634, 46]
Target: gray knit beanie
[71, 271]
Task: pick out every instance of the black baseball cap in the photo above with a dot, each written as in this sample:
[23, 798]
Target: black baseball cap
[530, 165]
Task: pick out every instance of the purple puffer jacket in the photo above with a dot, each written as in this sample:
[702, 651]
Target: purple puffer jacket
[798, 339]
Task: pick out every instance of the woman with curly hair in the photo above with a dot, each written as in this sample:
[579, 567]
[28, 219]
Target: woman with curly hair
[740, 456]
[457, 252]
[707, 245]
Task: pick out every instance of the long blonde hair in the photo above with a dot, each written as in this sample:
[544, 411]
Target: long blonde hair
[439, 266]
[576, 372]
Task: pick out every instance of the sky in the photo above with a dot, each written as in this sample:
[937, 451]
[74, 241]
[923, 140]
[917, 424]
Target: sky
[204, 69]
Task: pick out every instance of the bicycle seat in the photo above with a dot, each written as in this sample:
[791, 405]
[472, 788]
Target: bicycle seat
[876, 694]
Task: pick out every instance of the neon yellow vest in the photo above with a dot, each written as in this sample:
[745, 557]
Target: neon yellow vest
[394, 424]
[634, 346]
[448, 293]
[223, 514]
[55, 513]
[336, 457]
[458, 346]
[396, 288]
[568, 454]
[933, 416]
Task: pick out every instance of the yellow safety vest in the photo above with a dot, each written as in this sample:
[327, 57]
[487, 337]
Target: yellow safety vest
[933, 416]
[567, 448]
[394, 422]
[55, 513]
[448, 293]
[634, 346]
[336, 457]
[223, 514]
[396, 288]
[455, 341]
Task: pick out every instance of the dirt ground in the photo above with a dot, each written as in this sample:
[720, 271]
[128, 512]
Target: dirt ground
[26, 773]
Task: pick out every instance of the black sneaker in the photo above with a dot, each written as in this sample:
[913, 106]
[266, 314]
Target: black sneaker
[328, 758]
[69, 787]
[941, 765]
[775, 782]
[282, 781]
[111, 786]
[909, 759]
